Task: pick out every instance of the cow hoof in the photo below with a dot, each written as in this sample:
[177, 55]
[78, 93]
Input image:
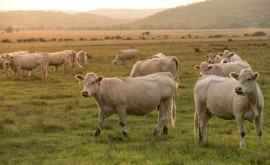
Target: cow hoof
[165, 130]
[155, 132]
[97, 133]
[125, 134]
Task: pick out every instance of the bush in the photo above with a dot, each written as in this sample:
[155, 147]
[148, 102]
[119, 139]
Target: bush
[6, 41]
[128, 38]
[93, 39]
[246, 34]
[32, 40]
[42, 40]
[216, 36]
[19, 40]
[53, 39]
[68, 39]
[230, 39]
[259, 33]
[197, 50]
[106, 38]
[9, 29]
[82, 39]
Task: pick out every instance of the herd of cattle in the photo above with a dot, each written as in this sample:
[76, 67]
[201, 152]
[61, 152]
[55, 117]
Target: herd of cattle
[226, 88]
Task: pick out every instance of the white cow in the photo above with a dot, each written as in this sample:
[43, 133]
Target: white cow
[57, 59]
[126, 55]
[135, 96]
[238, 98]
[81, 59]
[228, 56]
[5, 73]
[213, 58]
[159, 55]
[222, 69]
[72, 57]
[27, 62]
[150, 66]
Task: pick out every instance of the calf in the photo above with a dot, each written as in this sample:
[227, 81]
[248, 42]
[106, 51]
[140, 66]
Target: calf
[222, 69]
[135, 96]
[213, 58]
[228, 56]
[237, 98]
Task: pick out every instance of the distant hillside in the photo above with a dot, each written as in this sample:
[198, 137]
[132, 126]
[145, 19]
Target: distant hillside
[125, 13]
[208, 15]
[54, 20]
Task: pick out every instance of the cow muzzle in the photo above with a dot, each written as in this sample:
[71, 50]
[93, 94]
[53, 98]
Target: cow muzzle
[6, 63]
[239, 91]
[85, 94]
[225, 61]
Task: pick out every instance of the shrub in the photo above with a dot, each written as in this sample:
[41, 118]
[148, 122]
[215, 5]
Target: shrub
[246, 34]
[128, 38]
[53, 39]
[230, 39]
[93, 39]
[197, 50]
[68, 39]
[32, 40]
[42, 40]
[9, 29]
[216, 36]
[19, 40]
[259, 33]
[106, 38]
[6, 41]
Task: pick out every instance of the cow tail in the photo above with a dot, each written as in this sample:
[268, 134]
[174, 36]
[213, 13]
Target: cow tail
[45, 68]
[79, 60]
[196, 124]
[173, 109]
[177, 70]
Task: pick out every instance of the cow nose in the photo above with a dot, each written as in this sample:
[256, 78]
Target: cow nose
[85, 93]
[6, 63]
[209, 61]
[224, 61]
[200, 75]
[237, 89]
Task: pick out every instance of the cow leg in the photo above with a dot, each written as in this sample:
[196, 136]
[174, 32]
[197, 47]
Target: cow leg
[123, 62]
[162, 116]
[14, 73]
[203, 119]
[242, 130]
[258, 124]
[121, 111]
[166, 123]
[55, 68]
[101, 119]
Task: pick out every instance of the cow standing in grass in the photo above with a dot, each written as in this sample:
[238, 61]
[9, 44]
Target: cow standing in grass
[135, 96]
[238, 98]
[126, 55]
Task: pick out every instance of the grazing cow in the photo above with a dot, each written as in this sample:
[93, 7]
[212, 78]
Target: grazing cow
[27, 62]
[222, 69]
[135, 96]
[72, 57]
[81, 59]
[60, 58]
[126, 55]
[150, 66]
[159, 55]
[238, 98]
[213, 58]
[228, 56]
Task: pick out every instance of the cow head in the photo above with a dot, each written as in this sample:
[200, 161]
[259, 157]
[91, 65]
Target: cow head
[91, 84]
[114, 62]
[211, 58]
[247, 81]
[227, 56]
[7, 60]
[204, 69]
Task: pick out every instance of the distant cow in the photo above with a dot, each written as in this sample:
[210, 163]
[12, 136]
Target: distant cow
[81, 59]
[150, 66]
[228, 56]
[72, 56]
[240, 99]
[126, 55]
[135, 96]
[222, 69]
[57, 59]
[27, 62]
[159, 55]
[213, 58]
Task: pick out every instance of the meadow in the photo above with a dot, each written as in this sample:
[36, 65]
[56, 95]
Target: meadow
[48, 122]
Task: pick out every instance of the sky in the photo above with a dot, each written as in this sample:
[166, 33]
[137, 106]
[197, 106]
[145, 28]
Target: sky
[84, 5]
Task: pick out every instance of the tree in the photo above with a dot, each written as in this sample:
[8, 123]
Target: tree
[147, 33]
[9, 29]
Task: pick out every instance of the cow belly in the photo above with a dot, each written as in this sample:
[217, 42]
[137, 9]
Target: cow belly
[143, 108]
[28, 65]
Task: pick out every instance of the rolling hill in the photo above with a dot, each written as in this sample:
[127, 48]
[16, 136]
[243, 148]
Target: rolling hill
[209, 15]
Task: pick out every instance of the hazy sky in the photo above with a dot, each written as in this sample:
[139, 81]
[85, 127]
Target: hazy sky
[83, 5]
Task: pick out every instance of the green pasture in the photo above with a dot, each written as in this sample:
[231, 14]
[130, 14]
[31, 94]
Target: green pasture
[48, 122]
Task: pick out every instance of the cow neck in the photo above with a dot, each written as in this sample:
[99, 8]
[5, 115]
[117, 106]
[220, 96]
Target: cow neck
[97, 96]
[253, 97]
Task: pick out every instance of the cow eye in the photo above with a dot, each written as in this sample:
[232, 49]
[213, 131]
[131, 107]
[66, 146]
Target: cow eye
[249, 79]
[93, 82]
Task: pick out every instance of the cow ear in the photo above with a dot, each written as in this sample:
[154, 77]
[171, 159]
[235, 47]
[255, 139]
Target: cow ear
[12, 57]
[256, 75]
[2, 57]
[209, 67]
[234, 75]
[206, 56]
[79, 77]
[220, 54]
[232, 54]
[99, 79]
[214, 55]
[197, 67]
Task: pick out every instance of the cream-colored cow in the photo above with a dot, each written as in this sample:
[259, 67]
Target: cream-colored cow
[27, 62]
[238, 98]
[150, 66]
[228, 56]
[126, 55]
[134, 96]
[57, 59]
[213, 58]
[159, 55]
[81, 59]
[222, 69]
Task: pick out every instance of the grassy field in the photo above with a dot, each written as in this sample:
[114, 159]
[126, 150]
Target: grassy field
[48, 122]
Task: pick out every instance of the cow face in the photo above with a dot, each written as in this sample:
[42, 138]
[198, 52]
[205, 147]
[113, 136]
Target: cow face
[211, 58]
[227, 56]
[91, 84]
[204, 69]
[247, 81]
[7, 60]
[114, 62]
